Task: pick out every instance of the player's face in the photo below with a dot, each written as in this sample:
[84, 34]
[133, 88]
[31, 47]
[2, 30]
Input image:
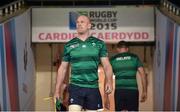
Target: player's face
[83, 24]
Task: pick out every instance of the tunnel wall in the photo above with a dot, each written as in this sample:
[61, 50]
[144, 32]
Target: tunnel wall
[166, 64]
[17, 65]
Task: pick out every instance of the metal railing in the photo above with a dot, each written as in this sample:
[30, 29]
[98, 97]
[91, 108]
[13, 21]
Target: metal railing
[11, 8]
[172, 8]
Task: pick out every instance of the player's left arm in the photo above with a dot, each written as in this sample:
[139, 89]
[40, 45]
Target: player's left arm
[144, 84]
[108, 75]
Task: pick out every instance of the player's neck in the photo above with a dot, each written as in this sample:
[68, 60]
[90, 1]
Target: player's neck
[123, 52]
[83, 37]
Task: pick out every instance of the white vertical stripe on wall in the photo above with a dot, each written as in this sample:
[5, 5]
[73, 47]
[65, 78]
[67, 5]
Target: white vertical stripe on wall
[177, 68]
[159, 62]
[1, 88]
[26, 71]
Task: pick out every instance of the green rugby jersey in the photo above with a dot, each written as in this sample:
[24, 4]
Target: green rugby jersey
[125, 66]
[84, 57]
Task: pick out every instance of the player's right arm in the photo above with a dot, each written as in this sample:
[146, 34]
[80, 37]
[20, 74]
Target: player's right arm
[60, 78]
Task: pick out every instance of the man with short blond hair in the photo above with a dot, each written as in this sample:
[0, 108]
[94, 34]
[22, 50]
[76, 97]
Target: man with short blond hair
[84, 53]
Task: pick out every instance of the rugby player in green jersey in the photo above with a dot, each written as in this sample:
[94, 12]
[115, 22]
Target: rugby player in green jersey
[84, 53]
[125, 66]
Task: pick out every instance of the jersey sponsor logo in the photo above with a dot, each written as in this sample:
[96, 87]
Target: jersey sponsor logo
[123, 58]
[74, 45]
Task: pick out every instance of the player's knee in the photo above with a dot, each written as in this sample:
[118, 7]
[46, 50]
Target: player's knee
[74, 108]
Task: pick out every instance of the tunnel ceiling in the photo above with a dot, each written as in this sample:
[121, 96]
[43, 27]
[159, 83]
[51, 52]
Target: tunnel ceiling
[92, 2]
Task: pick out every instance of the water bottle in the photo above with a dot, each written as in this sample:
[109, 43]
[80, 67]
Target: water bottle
[58, 104]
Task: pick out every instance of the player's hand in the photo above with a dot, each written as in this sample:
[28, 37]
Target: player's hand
[56, 96]
[108, 87]
[143, 97]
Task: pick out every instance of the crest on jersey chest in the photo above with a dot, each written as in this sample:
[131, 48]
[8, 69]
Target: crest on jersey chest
[93, 44]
